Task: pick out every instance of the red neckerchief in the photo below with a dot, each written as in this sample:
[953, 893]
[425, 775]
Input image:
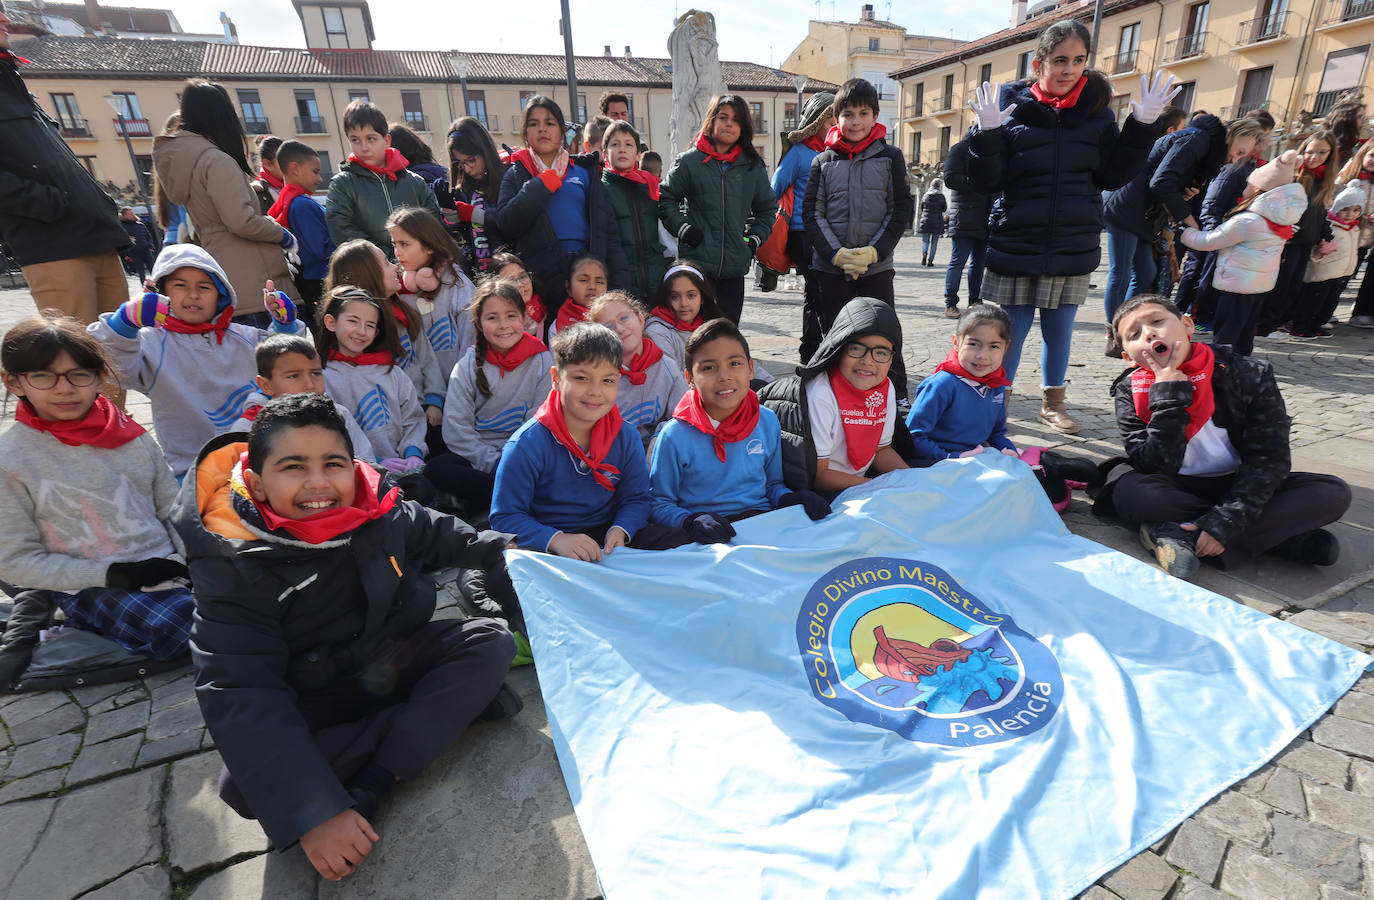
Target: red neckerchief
[834, 140]
[14, 58]
[398, 309]
[104, 425]
[274, 181]
[994, 379]
[327, 525]
[393, 167]
[649, 353]
[862, 415]
[1198, 367]
[219, 324]
[667, 315]
[375, 358]
[282, 206]
[815, 142]
[640, 176]
[705, 145]
[1283, 231]
[534, 308]
[1364, 174]
[1064, 102]
[1341, 223]
[250, 412]
[1317, 172]
[534, 165]
[737, 427]
[604, 432]
[570, 313]
[527, 346]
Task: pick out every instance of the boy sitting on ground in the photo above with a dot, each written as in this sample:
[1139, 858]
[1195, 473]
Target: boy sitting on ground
[318, 670]
[1206, 434]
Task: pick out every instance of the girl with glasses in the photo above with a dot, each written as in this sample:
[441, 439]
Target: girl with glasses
[468, 196]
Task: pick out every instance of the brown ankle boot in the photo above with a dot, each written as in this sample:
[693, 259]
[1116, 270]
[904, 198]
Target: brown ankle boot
[1053, 412]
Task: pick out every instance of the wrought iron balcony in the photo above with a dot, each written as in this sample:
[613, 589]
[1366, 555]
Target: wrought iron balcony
[1265, 28]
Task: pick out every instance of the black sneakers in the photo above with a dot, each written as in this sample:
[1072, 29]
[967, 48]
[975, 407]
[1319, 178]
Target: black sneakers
[1317, 547]
[1175, 549]
[504, 705]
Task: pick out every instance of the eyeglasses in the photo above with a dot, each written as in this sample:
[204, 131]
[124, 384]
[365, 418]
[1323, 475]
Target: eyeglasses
[44, 381]
[521, 278]
[465, 161]
[856, 350]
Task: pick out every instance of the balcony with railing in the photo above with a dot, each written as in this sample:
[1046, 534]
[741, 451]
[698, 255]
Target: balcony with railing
[1190, 46]
[516, 122]
[75, 127]
[492, 123]
[132, 128]
[760, 124]
[1320, 103]
[1126, 62]
[417, 120]
[1339, 12]
[1266, 28]
[309, 125]
[865, 50]
[941, 105]
[1241, 110]
[256, 126]
[913, 111]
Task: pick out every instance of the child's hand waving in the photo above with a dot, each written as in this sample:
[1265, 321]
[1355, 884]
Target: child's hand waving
[148, 311]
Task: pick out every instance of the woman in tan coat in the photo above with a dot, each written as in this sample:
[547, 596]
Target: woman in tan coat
[204, 167]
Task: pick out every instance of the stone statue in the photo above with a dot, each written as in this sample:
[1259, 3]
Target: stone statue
[697, 79]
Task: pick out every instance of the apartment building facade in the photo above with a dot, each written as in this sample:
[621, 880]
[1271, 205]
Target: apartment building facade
[1230, 56]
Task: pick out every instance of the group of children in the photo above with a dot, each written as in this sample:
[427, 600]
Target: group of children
[322, 678]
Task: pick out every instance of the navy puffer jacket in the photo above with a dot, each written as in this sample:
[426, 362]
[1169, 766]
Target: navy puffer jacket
[1051, 169]
[1189, 157]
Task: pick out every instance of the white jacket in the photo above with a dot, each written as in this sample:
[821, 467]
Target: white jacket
[1248, 250]
[1366, 192]
[1342, 261]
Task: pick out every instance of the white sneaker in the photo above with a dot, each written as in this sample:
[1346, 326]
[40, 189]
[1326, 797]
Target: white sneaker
[1361, 322]
[1274, 337]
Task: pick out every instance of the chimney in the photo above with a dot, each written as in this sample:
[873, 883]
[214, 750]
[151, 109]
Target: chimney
[93, 15]
[628, 54]
[1018, 12]
[607, 52]
[866, 14]
[231, 34]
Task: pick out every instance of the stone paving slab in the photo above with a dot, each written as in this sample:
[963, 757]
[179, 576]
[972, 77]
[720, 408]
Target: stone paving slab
[108, 791]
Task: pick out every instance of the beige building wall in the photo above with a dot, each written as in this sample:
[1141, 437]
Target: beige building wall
[1311, 50]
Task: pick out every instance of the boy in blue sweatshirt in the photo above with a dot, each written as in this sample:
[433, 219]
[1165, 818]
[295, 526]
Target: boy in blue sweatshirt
[720, 459]
[296, 210]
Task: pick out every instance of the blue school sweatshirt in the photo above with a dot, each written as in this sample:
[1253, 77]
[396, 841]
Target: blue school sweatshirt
[949, 415]
[567, 210]
[686, 477]
[306, 218]
[541, 489]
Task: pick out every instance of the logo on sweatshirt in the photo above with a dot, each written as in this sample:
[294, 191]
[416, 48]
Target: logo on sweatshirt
[754, 447]
[374, 409]
[229, 411]
[899, 644]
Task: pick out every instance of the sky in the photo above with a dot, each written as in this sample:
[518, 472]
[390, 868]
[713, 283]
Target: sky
[762, 32]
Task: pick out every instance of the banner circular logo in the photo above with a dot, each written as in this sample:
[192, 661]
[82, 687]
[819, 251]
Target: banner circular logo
[899, 644]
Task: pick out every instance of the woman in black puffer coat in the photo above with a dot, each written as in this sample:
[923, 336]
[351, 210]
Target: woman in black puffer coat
[932, 221]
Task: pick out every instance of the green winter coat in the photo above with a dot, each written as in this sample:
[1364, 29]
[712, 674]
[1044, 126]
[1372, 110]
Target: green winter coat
[359, 202]
[637, 218]
[721, 202]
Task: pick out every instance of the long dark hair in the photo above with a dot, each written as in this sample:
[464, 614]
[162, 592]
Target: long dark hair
[207, 111]
[335, 300]
[502, 289]
[539, 101]
[470, 138]
[1064, 30]
[743, 118]
[429, 231]
[408, 144]
[355, 263]
[710, 307]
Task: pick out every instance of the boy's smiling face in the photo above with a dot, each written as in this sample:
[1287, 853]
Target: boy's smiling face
[368, 145]
[308, 470]
[720, 372]
[864, 372]
[1152, 330]
[293, 373]
[191, 294]
[856, 122]
[587, 390]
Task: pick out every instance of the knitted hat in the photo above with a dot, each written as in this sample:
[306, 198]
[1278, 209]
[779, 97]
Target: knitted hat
[1278, 171]
[1351, 196]
[811, 115]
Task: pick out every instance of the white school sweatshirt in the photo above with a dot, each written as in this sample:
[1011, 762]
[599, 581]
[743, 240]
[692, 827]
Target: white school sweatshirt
[383, 400]
[476, 427]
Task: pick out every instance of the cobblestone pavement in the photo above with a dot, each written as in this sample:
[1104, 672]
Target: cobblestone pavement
[108, 792]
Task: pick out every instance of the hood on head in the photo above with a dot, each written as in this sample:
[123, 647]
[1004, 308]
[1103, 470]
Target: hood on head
[178, 256]
[1351, 196]
[1284, 205]
[860, 317]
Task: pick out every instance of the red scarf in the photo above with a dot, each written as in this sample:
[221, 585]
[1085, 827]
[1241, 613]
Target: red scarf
[534, 165]
[375, 358]
[535, 309]
[1064, 102]
[862, 415]
[1283, 231]
[640, 176]
[834, 139]
[1342, 223]
[219, 324]
[570, 313]
[994, 379]
[649, 353]
[737, 427]
[527, 346]
[393, 167]
[1317, 172]
[604, 432]
[667, 315]
[274, 181]
[398, 310]
[1365, 174]
[104, 425]
[1198, 367]
[251, 412]
[705, 145]
[14, 58]
[282, 206]
[815, 142]
[327, 525]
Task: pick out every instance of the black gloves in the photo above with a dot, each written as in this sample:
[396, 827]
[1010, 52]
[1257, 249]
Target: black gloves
[753, 241]
[708, 528]
[689, 235]
[130, 576]
[815, 505]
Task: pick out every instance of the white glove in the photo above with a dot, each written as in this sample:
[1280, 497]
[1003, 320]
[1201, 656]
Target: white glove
[984, 106]
[1153, 97]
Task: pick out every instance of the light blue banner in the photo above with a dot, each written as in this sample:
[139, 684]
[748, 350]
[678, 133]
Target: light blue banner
[936, 692]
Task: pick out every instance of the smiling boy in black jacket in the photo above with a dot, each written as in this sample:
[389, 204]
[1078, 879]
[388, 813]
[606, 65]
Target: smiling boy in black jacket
[1206, 433]
[320, 675]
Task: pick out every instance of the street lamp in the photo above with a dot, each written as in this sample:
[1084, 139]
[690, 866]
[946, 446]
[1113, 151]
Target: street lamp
[800, 82]
[117, 104]
[460, 65]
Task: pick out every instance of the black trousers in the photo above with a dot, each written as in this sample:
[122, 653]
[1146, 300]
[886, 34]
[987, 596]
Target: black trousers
[1303, 502]
[799, 248]
[405, 706]
[838, 289]
[1233, 323]
[1364, 299]
[1317, 304]
[730, 296]
[1283, 299]
[650, 537]
[453, 474]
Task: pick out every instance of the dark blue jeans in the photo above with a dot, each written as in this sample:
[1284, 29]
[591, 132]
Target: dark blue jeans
[970, 250]
[1130, 267]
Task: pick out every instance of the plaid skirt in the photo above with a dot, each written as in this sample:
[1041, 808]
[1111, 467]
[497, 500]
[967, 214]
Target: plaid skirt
[153, 623]
[1040, 291]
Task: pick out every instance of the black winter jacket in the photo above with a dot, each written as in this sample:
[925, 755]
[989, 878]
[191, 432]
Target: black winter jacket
[525, 224]
[968, 214]
[1224, 192]
[1052, 168]
[1189, 157]
[50, 206]
[787, 396]
[1249, 408]
[277, 618]
[932, 217]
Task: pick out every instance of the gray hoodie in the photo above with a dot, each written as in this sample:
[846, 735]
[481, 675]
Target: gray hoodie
[386, 405]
